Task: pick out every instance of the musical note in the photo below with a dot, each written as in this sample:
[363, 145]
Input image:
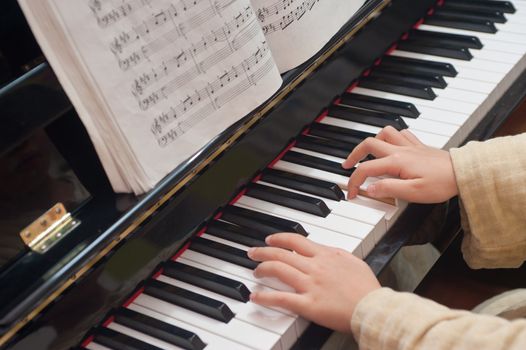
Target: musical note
[281, 14]
[185, 59]
[220, 91]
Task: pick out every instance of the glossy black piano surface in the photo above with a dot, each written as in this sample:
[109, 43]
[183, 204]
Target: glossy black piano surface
[46, 157]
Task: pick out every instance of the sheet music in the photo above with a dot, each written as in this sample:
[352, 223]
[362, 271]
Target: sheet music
[174, 73]
[297, 29]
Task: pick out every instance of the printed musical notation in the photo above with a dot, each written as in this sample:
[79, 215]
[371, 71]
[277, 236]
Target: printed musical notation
[184, 59]
[216, 44]
[216, 93]
[281, 14]
[150, 44]
[196, 68]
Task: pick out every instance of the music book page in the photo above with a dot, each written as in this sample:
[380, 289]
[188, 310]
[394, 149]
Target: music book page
[297, 29]
[155, 80]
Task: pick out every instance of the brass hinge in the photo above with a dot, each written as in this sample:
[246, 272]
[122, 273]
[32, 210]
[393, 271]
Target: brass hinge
[48, 229]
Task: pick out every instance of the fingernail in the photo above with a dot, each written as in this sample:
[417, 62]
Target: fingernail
[268, 239]
[250, 252]
[253, 296]
[371, 190]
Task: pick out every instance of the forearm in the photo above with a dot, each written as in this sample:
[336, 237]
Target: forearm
[390, 320]
[491, 178]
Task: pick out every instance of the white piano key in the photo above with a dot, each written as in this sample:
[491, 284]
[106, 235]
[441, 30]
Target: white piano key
[213, 341]
[319, 155]
[461, 95]
[511, 27]
[251, 285]
[442, 116]
[432, 140]
[414, 124]
[350, 210]
[476, 75]
[350, 243]
[340, 180]
[391, 211]
[438, 115]
[301, 324]
[507, 47]
[256, 315]
[94, 346]
[501, 36]
[143, 337]
[360, 241]
[496, 56]
[435, 134]
[437, 103]
[344, 208]
[475, 63]
[331, 222]
[351, 125]
[344, 240]
[224, 241]
[470, 85]
[235, 330]
[332, 159]
[233, 269]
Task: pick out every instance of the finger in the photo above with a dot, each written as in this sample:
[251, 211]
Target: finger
[376, 167]
[295, 242]
[278, 254]
[393, 136]
[285, 273]
[290, 301]
[408, 190]
[370, 145]
[411, 137]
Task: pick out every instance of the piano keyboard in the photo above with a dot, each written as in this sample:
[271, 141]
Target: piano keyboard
[438, 82]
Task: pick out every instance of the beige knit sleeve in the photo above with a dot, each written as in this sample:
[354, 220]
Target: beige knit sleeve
[388, 320]
[491, 178]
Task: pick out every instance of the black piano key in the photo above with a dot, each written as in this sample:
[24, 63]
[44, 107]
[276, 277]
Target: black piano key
[303, 183]
[338, 133]
[421, 46]
[504, 6]
[368, 117]
[222, 252]
[118, 341]
[495, 16]
[398, 87]
[242, 235]
[288, 199]
[320, 132]
[466, 24]
[405, 109]
[433, 80]
[326, 146]
[158, 329]
[260, 222]
[207, 280]
[189, 300]
[416, 66]
[316, 163]
[456, 40]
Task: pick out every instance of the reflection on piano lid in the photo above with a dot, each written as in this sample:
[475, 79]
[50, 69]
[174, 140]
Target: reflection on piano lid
[156, 286]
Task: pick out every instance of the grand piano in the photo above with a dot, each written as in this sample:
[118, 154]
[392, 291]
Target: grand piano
[82, 267]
